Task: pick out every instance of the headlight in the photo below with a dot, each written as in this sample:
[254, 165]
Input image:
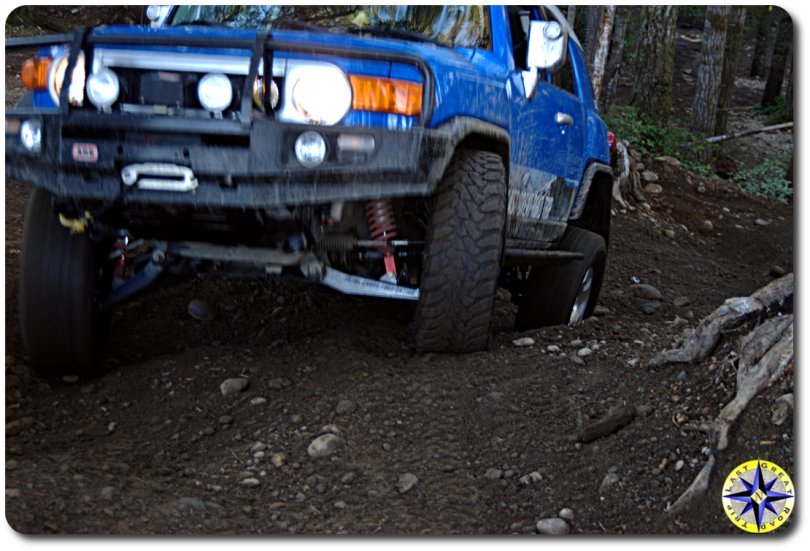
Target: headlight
[56, 77]
[103, 88]
[31, 135]
[215, 92]
[317, 93]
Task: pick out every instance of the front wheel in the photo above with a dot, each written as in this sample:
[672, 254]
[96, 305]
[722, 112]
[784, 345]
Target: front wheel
[463, 255]
[564, 294]
[63, 329]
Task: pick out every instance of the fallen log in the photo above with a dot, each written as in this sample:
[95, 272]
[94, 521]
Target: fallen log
[741, 133]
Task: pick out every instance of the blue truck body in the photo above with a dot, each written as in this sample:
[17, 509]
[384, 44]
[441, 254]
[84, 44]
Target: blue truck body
[234, 185]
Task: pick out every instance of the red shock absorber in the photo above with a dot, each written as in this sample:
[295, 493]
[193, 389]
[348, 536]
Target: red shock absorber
[383, 227]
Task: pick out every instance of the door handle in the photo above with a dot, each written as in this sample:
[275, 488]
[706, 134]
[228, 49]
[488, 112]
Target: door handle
[564, 118]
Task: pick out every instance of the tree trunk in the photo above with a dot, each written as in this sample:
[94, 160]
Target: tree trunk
[707, 89]
[776, 74]
[764, 20]
[736, 26]
[655, 62]
[593, 15]
[600, 56]
[614, 60]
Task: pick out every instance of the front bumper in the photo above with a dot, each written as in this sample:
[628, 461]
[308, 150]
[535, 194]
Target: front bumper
[236, 165]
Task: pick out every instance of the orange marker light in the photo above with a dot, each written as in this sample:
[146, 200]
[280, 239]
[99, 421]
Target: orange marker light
[34, 74]
[386, 95]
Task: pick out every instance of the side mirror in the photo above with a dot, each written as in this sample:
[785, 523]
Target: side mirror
[548, 45]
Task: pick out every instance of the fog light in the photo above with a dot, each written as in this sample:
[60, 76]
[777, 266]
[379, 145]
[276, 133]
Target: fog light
[31, 135]
[215, 92]
[310, 149]
[103, 88]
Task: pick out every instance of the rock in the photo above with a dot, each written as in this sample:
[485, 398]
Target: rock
[225, 420]
[345, 407]
[647, 291]
[200, 310]
[553, 348]
[348, 478]
[701, 189]
[600, 310]
[331, 427]
[650, 307]
[552, 526]
[584, 352]
[671, 161]
[108, 493]
[649, 176]
[279, 459]
[576, 360]
[493, 474]
[13, 493]
[209, 431]
[679, 465]
[324, 446]
[340, 504]
[653, 189]
[706, 226]
[782, 408]
[761, 222]
[278, 383]
[523, 342]
[610, 480]
[669, 233]
[70, 379]
[776, 271]
[566, 514]
[680, 302]
[643, 410]
[250, 482]
[258, 401]
[229, 387]
[192, 502]
[406, 482]
[258, 447]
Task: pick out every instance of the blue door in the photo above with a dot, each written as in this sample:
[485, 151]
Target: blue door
[547, 143]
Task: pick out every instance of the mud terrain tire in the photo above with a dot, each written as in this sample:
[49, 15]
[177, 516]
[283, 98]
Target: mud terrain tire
[63, 330]
[551, 292]
[463, 255]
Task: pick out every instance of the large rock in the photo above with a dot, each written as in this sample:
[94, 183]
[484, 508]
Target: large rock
[649, 176]
[324, 446]
[645, 290]
[553, 526]
[229, 387]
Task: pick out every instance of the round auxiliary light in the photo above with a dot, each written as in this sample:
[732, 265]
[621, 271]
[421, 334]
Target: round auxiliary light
[321, 94]
[310, 149]
[215, 92]
[103, 88]
[31, 135]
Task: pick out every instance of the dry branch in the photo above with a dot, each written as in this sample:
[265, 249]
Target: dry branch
[733, 313]
[741, 133]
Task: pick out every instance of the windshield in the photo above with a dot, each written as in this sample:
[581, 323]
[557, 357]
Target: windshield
[464, 26]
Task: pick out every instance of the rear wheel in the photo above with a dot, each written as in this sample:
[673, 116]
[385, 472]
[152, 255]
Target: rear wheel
[463, 255]
[564, 294]
[63, 329]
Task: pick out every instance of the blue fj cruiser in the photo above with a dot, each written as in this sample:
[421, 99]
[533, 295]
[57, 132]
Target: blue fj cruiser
[423, 153]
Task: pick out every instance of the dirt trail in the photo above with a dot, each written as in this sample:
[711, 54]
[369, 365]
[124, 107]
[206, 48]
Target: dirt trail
[152, 446]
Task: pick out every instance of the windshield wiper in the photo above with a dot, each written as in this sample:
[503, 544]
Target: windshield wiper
[394, 32]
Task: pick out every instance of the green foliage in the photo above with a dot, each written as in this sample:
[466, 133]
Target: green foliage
[767, 179]
[777, 112]
[653, 139]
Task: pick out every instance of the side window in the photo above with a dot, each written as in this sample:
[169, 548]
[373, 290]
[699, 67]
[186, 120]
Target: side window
[519, 19]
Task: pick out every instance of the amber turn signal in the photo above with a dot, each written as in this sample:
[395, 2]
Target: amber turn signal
[34, 74]
[386, 95]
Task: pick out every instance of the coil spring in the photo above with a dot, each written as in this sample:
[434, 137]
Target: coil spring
[380, 218]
